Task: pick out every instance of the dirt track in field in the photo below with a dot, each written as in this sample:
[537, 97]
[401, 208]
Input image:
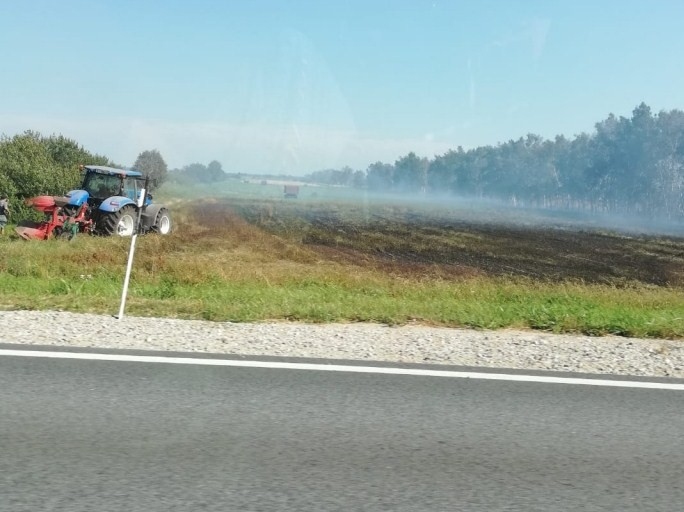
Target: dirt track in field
[415, 242]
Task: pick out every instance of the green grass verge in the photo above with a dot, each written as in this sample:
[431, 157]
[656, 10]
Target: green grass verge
[477, 303]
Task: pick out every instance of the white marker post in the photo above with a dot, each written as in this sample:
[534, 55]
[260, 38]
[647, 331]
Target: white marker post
[129, 265]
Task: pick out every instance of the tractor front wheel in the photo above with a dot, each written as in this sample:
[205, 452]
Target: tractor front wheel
[121, 222]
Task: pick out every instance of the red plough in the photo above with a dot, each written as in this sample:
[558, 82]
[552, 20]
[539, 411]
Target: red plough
[61, 219]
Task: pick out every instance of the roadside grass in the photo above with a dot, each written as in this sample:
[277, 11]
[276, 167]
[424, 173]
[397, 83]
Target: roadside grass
[252, 261]
[478, 303]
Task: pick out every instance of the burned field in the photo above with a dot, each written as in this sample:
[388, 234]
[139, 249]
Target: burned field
[419, 242]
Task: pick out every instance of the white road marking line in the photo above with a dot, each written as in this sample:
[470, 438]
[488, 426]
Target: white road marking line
[343, 368]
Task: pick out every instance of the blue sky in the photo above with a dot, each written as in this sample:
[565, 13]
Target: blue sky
[297, 86]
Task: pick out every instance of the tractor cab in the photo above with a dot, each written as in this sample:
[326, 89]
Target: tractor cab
[104, 182]
[101, 186]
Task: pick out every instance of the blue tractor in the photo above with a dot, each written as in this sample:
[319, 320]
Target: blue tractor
[112, 195]
[106, 204]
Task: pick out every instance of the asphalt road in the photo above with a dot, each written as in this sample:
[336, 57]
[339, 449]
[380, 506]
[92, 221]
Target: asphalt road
[114, 436]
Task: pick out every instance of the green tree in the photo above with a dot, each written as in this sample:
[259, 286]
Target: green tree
[359, 179]
[32, 165]
[379, 177]
[445, 172]
[26, 166]
[69, 154]
[199, 173]
[668, 176]
[215, 172]
[410, 173]
[153, 166]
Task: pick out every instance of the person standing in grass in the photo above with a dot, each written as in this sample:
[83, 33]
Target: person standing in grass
[4, 212]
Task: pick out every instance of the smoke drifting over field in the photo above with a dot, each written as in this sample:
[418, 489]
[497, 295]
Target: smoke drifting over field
[456, 236]
[455, 207]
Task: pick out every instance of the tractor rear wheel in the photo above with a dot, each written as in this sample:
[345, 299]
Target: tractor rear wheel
[121, 222]
[162, 223]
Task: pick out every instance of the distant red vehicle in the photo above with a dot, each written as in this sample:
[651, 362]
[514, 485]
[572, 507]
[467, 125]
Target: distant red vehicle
[291, 191]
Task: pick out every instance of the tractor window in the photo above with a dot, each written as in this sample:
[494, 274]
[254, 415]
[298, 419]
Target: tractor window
[102, 185]
[131, 189]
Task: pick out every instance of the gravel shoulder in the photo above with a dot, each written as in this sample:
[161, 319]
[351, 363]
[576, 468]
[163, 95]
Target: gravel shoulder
[529, 350]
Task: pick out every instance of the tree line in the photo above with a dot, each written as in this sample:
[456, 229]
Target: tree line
[32, 164]
[627, 165]
[199, 173]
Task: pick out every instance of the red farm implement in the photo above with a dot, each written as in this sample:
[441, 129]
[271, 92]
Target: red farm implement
[61, 218]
